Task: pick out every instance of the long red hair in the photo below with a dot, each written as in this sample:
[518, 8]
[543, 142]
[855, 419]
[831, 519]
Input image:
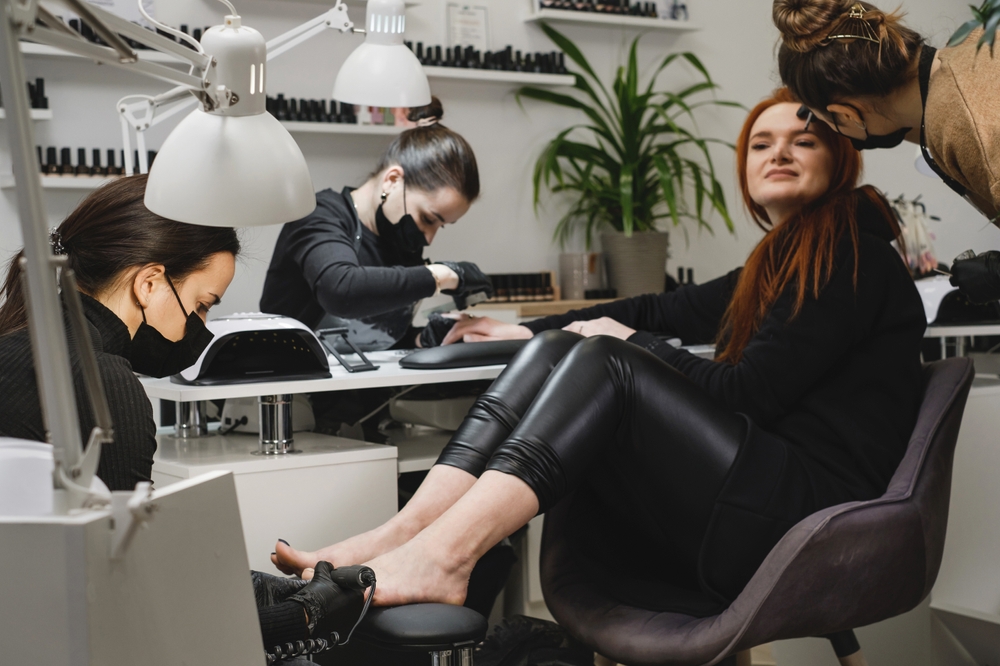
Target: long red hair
[800, 252]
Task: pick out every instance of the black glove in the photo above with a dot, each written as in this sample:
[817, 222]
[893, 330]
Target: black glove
[329, 606]
[978, 278]
[433, 333]
[471, 281]
[269, 590]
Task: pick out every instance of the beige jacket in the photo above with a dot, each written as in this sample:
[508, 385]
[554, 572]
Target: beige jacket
[962, 120]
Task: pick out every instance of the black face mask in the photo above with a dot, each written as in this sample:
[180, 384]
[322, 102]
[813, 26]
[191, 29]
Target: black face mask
[402, 239]
[154, 355]
[874, 141]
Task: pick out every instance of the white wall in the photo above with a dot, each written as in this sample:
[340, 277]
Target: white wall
[501, 232]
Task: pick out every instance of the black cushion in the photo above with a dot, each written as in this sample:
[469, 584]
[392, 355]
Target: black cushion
[422, 627]
[463, 355]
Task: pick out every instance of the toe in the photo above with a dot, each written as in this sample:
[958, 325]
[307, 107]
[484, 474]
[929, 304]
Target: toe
[291, 561]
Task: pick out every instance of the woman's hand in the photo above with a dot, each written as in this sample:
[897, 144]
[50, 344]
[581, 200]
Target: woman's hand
[602, 326]
[483, 329]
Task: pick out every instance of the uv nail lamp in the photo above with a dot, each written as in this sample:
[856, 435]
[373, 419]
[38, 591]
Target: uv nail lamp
[257, 347]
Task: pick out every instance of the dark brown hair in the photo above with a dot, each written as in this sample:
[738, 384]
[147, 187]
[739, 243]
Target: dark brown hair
[801, 251]
[433, 156]
[821, 72]
[112, 231]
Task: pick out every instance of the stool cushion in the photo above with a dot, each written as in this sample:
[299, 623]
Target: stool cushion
[423, 627]
[463, 355]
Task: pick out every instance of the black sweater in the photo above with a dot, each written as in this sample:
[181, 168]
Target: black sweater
[841, 381]
[129, 459]
[320, 269]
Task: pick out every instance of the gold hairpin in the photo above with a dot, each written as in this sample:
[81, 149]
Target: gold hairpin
[854, 26]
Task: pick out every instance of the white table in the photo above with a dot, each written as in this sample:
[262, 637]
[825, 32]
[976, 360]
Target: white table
[958, 333]
[332, 488]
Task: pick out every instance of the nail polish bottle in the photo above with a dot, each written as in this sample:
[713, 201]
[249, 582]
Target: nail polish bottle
[438, 62]
[41, 101]
[41, 163]
[680, 275]
[51, 163]
[293, 109]
[135, 163]
[690, 276]
[111, 169]
[95, 168]
[420, 53]
[75, 24]
[31, 94]
[81, 162]
[87, 32]
[66, 162]
[196, 33]
[150, 157]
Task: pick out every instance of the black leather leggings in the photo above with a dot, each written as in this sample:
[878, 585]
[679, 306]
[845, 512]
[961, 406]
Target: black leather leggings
[569, 411]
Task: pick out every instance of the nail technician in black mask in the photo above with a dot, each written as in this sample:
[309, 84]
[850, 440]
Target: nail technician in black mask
[878, 82]
[357, 261]
[147, 284]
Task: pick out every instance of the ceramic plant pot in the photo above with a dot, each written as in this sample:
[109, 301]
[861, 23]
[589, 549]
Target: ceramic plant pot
[636, 264]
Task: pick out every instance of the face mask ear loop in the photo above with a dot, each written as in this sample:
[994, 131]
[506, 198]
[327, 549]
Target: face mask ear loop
[179, 303]
[404, 198]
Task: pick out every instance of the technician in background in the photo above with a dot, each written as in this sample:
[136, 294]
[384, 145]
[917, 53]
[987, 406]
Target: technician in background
[357, 260]
[147, 284]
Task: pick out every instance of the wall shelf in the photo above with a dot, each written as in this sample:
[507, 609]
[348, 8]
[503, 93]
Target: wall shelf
[492, 76]
[58, 182]
[340, 128]
[33, 49]
[564, 16]
[36, 114]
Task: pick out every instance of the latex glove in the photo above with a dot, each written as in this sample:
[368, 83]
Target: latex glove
[978, 278]
[471, 281]
[435, 331]
[269, 590]
[329, 607]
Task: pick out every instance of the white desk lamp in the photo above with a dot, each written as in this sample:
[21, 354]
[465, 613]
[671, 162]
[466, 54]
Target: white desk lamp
[380, 72]
[85, 586]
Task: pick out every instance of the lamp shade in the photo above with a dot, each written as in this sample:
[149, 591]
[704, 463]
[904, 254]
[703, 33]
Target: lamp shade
[230, 171]
[383, 71]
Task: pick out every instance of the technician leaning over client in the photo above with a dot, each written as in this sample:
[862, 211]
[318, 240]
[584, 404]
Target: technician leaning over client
[879, 83]
[357, 260]
[147, 284]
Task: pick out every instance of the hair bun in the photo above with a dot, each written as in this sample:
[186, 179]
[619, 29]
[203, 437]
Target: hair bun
[426, 116]
[805, 23]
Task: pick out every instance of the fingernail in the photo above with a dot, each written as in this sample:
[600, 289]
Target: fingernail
[285, 542]
[273, 553]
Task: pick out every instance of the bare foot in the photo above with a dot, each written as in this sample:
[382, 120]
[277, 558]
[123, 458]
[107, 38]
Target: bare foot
[418, 572]
[356, 550]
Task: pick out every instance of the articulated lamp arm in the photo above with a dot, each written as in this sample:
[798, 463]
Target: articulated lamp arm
[140, 115]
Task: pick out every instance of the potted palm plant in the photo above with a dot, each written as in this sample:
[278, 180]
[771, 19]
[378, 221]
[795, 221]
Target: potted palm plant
[634, 163]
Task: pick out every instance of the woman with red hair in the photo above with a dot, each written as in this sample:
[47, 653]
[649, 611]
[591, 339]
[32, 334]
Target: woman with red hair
[689, 469]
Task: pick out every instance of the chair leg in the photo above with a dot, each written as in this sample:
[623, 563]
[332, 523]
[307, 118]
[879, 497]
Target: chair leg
[846, 647]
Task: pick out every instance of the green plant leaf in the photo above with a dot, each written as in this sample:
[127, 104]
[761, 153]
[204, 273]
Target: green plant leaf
[625, 186]
[963, 32]
[572, 52]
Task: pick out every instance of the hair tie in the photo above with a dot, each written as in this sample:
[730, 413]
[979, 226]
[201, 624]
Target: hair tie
[56, 241]
[428, 122]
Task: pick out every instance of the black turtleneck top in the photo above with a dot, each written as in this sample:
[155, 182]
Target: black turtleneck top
[129, 459]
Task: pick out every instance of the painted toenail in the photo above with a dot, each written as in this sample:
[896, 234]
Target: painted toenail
[285, 542]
